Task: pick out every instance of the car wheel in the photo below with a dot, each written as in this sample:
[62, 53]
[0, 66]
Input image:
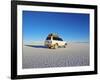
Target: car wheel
[55, 46]
[49, 47]
[65, 45]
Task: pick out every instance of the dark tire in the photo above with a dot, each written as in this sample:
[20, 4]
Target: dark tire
[65, 45]
[49, 47]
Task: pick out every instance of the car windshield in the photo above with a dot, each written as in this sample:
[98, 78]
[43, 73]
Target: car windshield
[48, 38]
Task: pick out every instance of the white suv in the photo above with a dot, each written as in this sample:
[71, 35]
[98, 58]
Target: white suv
[53, 41]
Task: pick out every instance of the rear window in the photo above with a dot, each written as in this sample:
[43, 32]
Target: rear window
[48, 38]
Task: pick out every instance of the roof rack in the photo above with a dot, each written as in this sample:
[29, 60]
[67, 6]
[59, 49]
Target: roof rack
[53, 34]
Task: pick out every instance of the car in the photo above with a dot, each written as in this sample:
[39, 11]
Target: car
[54, 41]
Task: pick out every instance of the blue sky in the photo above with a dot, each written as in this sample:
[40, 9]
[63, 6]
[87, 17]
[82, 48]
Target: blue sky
[70, 26]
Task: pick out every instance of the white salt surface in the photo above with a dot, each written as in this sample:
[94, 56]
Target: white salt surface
[38, 56]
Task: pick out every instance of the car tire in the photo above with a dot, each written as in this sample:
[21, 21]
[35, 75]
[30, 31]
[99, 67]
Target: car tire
[65, 45]
[55, 46]
[49, 47]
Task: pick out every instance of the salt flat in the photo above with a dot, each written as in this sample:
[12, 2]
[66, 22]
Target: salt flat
[38, 56]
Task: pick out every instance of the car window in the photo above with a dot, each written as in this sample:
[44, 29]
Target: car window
[60, 39]
[48, 38]
[57, 38]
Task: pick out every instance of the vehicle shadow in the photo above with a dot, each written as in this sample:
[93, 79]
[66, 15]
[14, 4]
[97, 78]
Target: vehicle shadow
[36, 46]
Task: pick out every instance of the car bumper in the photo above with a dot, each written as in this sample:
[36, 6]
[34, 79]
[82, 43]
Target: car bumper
[48, 44]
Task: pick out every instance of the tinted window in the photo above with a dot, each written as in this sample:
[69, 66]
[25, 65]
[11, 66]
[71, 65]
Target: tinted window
[60, 39]
[48, 38]
[57, 38]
